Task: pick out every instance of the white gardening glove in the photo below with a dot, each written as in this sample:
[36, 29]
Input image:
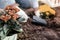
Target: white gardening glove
[37, 13]
[22, 15]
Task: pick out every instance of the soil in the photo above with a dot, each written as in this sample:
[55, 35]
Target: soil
[37, 32]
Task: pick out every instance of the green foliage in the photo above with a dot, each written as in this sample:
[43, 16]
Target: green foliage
[10, 24]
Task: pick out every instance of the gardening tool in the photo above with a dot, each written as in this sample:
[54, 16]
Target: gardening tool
[38, 20]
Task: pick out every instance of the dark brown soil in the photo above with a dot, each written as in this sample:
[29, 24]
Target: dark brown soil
[37, 32]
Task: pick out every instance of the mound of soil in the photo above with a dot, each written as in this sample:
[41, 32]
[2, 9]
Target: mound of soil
[37, 32]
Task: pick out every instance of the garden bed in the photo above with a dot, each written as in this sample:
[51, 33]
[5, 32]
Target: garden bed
[37, 32]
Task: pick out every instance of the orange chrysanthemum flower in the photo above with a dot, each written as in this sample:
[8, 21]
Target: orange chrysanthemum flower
[5, 17]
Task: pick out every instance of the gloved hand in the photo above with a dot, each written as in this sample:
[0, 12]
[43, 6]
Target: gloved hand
[23, 15]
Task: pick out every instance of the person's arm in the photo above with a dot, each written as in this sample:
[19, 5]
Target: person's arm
[35, 5]
[29, 10]
[4, 3]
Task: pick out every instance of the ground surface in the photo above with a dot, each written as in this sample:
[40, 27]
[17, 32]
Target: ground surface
[37, 32]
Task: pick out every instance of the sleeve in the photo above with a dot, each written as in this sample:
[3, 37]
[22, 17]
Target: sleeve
[4, 3]
[34, 3]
